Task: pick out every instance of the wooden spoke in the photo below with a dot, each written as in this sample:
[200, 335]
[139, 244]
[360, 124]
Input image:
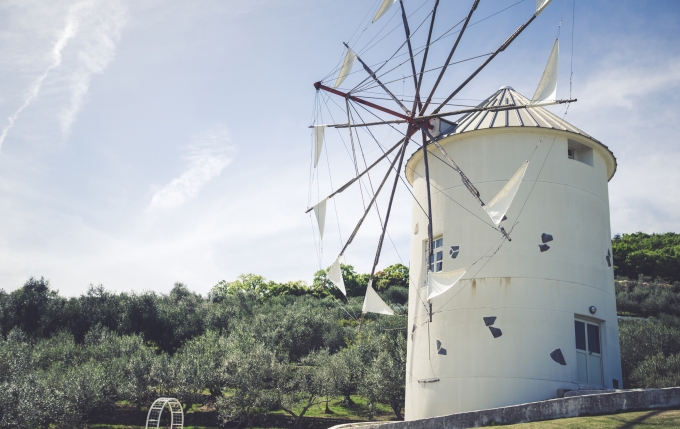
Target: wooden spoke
[375, 78]
[488, 60]
[399, 157]
[448, 59]
[427, 50]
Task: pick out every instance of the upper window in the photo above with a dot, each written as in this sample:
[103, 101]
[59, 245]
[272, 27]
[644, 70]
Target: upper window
[437, 258]
[579, 152]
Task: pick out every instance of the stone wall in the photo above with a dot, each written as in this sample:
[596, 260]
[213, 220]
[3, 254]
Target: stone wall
[587, 405]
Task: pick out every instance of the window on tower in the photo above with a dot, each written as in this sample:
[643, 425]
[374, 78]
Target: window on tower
[437, 257]
[579, 152]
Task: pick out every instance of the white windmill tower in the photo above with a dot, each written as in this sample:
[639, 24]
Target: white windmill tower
[512, 290]
[529, 316]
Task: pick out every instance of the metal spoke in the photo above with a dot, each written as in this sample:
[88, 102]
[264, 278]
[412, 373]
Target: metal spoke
[375, 78]
[400, 156]
[448, 60]
[407, 30]
[468, 184]
[346, 185]
[488, 60]
[427, 50]
[389, 205]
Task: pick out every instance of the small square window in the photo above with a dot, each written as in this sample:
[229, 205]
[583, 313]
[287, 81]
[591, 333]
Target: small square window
[570, 153]
[437, 257]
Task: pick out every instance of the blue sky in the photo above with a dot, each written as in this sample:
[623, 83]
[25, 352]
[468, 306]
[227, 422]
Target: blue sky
[150, 142]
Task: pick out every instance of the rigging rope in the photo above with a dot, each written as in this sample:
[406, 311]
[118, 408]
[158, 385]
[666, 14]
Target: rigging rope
[422, 48]
[414, 199]
[571, 60]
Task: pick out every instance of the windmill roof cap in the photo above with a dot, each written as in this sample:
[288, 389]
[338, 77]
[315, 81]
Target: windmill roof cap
[522, 116]
[506, 87]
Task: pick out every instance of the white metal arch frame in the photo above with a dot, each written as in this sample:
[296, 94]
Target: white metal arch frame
[153, 419]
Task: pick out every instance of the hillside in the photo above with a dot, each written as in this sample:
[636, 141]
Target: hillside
[254, 347]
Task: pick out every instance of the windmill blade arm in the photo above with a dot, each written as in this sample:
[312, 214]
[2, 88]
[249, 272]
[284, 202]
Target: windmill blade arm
[346, 185]
[375, 196]
[389, 206]
[366, 124]
[448, 60]
[407, 30]
[452, 113]
[468, 184]
[319, 85]
[492, 109]
[375, 78]
[488, 60]
[427, 50]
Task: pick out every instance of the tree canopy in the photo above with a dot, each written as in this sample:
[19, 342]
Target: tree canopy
[652, 255]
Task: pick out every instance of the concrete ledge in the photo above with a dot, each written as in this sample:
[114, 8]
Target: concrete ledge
[586, 405]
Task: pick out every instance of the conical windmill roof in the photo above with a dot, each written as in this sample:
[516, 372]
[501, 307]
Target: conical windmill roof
[526, 116]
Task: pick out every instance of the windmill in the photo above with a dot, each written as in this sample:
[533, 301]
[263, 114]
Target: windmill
[467, 172]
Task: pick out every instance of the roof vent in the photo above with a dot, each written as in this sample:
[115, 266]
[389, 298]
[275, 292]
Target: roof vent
[506, 87]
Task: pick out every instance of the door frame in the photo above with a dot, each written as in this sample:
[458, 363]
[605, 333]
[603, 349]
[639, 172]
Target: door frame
[604, 368]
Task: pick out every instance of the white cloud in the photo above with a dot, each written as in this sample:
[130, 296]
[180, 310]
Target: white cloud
[94, 26]
[95, 53]
[73, 19]
[208, 156]
[629, 103]
[620, 84]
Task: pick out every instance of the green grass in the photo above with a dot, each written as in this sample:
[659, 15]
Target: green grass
[98, 426]
[654, 419]
[641, 419]
[358, 411]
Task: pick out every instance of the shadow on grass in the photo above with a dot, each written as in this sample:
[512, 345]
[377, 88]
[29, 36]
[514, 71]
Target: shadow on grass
[641, 419]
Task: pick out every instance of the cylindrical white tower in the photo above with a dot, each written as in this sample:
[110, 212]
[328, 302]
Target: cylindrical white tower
[537, 313]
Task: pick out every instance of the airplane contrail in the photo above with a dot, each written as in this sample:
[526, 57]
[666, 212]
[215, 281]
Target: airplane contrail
[73, 19]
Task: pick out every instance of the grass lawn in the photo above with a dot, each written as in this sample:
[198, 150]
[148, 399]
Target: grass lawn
[640, 419]
[657, 419]
[96, 426]
[357, 411]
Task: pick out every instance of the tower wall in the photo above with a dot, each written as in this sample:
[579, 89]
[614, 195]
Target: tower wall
[535, 296]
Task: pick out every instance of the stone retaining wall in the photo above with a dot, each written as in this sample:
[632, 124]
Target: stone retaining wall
[587, 405]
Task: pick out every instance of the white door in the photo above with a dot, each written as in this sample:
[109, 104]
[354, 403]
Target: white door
[588, 353]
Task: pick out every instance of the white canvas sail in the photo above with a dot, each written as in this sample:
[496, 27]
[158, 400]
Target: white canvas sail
[319, 131]
[335, 276]
[500, 204]
[346, 67]
[320, 212]
[438, 283]
[541, 5]
[374, 304]
[546, 92]
[386, 5]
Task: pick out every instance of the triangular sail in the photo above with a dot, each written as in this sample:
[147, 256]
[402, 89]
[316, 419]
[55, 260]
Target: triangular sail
[546, 92]
[498, 207]
[335, 276]
[374, 304]
[438, 283]
[346, 67]
[320, 212]
[386, 5]
[541, 5]
[319, 131]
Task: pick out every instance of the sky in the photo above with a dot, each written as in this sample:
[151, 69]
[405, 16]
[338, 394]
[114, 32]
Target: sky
[151, 142]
